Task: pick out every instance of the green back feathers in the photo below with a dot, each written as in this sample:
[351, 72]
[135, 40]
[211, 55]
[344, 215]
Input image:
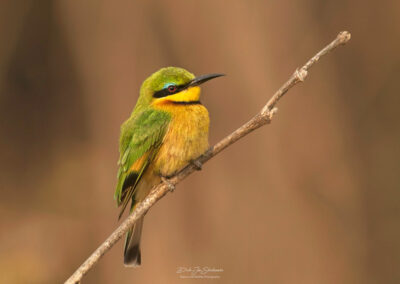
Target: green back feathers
[139, 136]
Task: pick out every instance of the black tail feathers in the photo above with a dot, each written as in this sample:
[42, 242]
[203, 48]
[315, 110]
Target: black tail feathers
[132, 255]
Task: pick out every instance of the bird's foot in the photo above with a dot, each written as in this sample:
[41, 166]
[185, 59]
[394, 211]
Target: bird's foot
[170, 185]
[197, 165]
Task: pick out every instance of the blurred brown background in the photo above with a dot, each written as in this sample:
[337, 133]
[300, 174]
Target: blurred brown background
[312, 198]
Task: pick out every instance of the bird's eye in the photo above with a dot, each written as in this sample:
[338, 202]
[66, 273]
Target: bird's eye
[171, 88]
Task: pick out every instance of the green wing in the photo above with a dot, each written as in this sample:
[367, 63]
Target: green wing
[141, 137]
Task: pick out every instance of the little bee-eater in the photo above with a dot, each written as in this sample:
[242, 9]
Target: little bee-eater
[167, 129]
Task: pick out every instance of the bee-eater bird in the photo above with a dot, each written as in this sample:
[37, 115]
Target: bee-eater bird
[167, 129]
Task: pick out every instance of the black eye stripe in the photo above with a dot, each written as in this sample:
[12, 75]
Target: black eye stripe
[161, 93]
[165, 92]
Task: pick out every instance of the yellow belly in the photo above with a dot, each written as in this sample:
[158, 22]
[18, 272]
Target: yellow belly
[186, 137]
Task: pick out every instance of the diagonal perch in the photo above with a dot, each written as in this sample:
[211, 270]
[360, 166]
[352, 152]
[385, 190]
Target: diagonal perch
[263, 117]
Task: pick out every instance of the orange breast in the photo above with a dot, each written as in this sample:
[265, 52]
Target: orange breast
[186, 137]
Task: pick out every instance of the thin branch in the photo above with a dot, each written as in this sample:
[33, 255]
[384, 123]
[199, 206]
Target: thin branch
[260, 119]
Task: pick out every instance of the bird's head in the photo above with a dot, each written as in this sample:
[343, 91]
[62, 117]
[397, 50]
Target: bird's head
[172, 85]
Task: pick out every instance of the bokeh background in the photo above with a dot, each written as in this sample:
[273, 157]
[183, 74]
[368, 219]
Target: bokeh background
[312, 198]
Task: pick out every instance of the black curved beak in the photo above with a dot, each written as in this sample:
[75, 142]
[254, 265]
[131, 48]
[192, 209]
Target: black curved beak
[204, 78]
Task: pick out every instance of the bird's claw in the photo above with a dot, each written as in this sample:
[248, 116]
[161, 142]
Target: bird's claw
[170, 185]
[197, 164]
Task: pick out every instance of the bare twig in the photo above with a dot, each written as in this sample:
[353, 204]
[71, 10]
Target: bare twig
[260, 119]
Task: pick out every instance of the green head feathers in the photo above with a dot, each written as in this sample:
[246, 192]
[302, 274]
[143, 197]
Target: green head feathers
[166, 77]
[162, 79]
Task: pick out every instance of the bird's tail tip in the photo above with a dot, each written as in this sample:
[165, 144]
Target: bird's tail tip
[132, 257]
